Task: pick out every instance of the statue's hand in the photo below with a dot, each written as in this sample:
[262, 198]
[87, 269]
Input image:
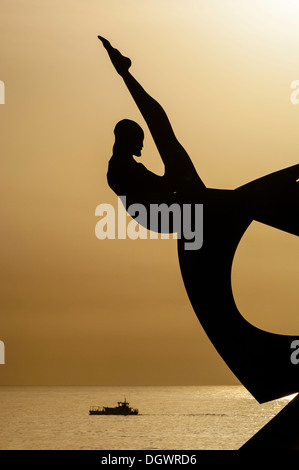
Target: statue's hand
[121, 63]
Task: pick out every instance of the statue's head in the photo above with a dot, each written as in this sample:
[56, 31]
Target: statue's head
[129, 137]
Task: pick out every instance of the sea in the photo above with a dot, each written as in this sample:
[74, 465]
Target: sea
[170, 417]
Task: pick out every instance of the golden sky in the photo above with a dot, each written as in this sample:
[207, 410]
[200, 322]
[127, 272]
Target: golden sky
[76, 310]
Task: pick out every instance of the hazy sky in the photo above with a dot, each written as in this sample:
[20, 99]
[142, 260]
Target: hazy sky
[78, 310]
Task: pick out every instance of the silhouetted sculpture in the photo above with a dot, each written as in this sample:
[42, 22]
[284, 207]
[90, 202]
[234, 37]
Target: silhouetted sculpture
[260, 360]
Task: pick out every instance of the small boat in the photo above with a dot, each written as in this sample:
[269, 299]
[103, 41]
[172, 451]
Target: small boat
[122, 408]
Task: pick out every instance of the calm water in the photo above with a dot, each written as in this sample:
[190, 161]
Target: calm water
[176, 418]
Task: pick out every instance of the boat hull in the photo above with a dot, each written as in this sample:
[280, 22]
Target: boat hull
[115, 412]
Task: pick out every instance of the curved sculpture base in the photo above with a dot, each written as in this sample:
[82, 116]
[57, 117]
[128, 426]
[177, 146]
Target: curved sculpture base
[281, 433]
